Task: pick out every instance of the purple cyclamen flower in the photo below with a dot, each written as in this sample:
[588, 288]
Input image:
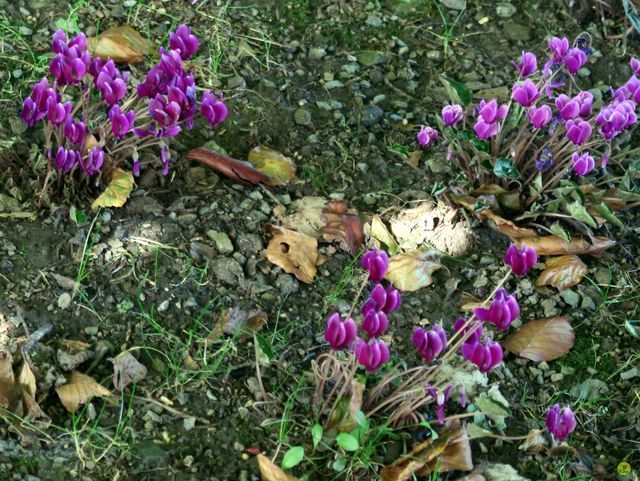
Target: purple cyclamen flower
[525, 93]
[382, 299]
[213, 109]
[491, 112]
[441, 398]
[35, 107]
[164, 157]
[476, 326]
[183, 41]
[58, 112]
[75, 131]
[94, 161]
[186, 99]
[527, 65]
[376, 262]
[71, 61]
[66, 159]
[340, 334]
[615, 117]
[430, 344]
[559, 48]
[560, 423]
[166, 113]
[157, 81]
[567, 107]
[426, 136]
[111, 83]
[582, 163]
[539, 116]
[485, 356]
[170, 62]
[575, 60]
[484, 131]
[372, 354]
[502, 312]
[451, 114]
[578, 131]
[121, 124]
[635, 65]
[375, 323]
[520, 260]
[585, 100]
[30, 113]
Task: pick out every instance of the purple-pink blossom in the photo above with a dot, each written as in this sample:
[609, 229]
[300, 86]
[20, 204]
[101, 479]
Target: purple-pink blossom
[559, 48]
[213, 109]
[58, 112]
[525, 93]
[94, 162]
[376, 262]
[75, 131]
[488, 121]
[504, 309]
[451, 114]
[121, 123]
[430, 344]
[539, 116]
[560, 422]
[575, 60]
[485, 356]
[373, 354]
[527, 65]
[585, 101]
[72, 60]
[382, 299]
[567, 107]
[615, 117]
[111, 83]
[634, 63]
[520, 260]
[340, 334]
[475, 327]
[65, 159]
[582, 163]
[426, 136]
[578, 131]
[183, 41]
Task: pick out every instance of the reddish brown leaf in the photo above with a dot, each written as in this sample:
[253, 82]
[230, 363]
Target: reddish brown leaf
[562, 272]
[237, 170]
[542, 340]
[552, 245]
[342, 223]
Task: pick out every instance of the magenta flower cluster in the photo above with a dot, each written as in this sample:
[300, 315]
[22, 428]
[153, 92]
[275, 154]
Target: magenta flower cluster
[90, 135]
[382, 301]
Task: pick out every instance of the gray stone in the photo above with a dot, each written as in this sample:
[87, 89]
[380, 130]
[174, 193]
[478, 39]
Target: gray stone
[151, 456]
[588, 303]
[287, 284]
[455, 4]
[371, 57]
[374, 21]
[64, 301]
[201, 252]
[630, 374]
[516, 31]
[371, 115]
[316, 53]
[222, 241]
[144, 204]
[571, 297]
[25, 30]
[333, 84]
[227, 270]
[249, 244]
[302, 117]
[505, 9]
[236, 82]
[589, 389]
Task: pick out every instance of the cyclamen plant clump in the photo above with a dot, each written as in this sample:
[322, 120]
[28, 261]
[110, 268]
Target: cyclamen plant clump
[94, 120]
[549, 130]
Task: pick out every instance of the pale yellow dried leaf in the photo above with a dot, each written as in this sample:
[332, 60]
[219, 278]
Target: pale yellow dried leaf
[294, 252]
[413, 270]
[270, 472]
[117, 192]
[273, 163]
[121, 44]
[79, 390]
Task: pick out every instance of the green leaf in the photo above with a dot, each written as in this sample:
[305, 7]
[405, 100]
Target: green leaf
[293, 457]
[458, 92]
[605, 211]
[347, 442]
[558, 230]
[579, 212]
[474, 431]
[505, 169]
[77, 216]
[361, 419]
[399, 149]
[316, 434]
[117, 192]
[492, 407]
[339, 465]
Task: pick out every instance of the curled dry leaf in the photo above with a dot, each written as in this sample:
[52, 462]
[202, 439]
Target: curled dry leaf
[413, 270]
[552, 245]
[542, 340]
[377, 230]
[294, 252]
[121, 44]
[272, 163]
[342, 223]
[534, 442]
[239, 322]
[17, 394]
[117, 192]
[126, 370]
[79, 390]
[306, 216]
[237, 170]
[562, 272]
[271, 472]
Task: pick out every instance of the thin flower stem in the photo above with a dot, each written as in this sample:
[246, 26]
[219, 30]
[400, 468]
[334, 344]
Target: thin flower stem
[358, 294]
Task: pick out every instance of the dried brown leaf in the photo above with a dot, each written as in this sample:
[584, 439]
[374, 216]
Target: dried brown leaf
[294, 252]
[273, 163]
[552, 245]
[271, 472]
[342, 223]
[237, 170]
[121, 44]
[8, 390]
[542, 340]
[534, 442]
[126, 370]
[379, 232]
[306, 216]
[455, 457]
[562, 272]
[413, 270]
[240, 322]
[79, 390]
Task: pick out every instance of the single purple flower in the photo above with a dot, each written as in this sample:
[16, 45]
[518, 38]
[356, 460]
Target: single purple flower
[430, 344]
[560, 423]
[440, 398]
[166, 113]
[525, 93]
[372, 354]
[539, 116]
[585, 100]
[491, 112]
[121, 124]
[451, 114]
[59, 41]
[376, 262]
[164, 157]
[183, 41]
[476, 326]
[111, 83]
[527, 65]
[575, 60]
[338, 333]
[375, 323]
[426, 136]
[484, 131]
[635, 65]
[94, 161]
[502, 312]
[382, 299]
[578, 131]
[559, 48]
[485, 356]
[30, 113]
[75, 131]
[157, 81]
[213, 109]
[582, 163]
[170, 62]
[42, 93]
[58, 112]
[567, 107]
[66, 159]
[520, 260]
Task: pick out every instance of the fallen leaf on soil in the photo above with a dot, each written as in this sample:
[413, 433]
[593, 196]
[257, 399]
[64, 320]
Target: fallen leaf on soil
[121, 44]
[552, 245]
[451, 451]
[306, 217]
[542, 340]
[342, 223]
[344, 416]
[117, 192]
[534, 442]
[412, 270]
[271, 472]
[272, 163]
[239, 322]
[79, 390]
[126, 370]
[237, 170]
[294, 252]
[377, 230]
[17, 395]
[562, 272]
